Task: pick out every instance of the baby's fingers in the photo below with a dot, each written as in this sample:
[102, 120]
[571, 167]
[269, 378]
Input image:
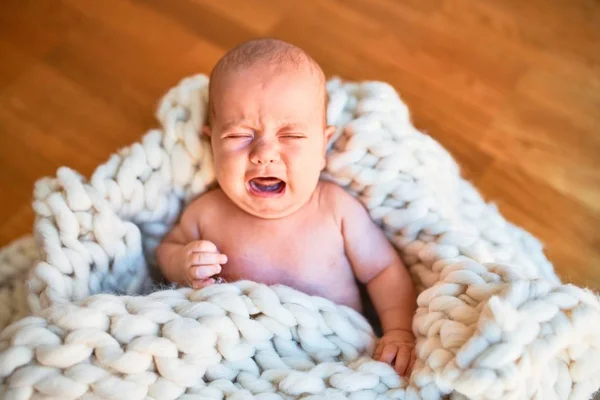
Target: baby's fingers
[207, 258]
[204, 271]
[388, 353]
[403, 361]
[378, 351]
[199, 284]
[413, 359]
[202, 246]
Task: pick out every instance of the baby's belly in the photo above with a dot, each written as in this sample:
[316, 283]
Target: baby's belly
[334, 282]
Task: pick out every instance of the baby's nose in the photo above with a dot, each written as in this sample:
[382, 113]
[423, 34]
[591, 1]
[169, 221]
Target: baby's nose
[265, 153]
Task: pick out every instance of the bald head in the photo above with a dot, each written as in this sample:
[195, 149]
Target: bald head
[268, 53]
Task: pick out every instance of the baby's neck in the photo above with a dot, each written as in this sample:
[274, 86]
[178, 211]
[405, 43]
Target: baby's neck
[293, 217]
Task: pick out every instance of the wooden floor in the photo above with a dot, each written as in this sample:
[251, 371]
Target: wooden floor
[511, 87]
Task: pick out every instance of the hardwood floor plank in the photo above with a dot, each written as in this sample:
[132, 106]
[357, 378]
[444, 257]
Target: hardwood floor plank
[569, 230]
[127, 71]
[58, 119]
[482, 72]
[17, 224]
[544, 131]
[14, 64]
[20, 168]
[258, 16]
[18, 193]
[35, 27]
[205, 23]
[568, 29]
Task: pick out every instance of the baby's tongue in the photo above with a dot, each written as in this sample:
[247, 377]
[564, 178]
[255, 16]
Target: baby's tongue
[266, 184]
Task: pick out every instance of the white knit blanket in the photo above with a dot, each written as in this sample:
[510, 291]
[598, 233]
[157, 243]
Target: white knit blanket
[493, 320]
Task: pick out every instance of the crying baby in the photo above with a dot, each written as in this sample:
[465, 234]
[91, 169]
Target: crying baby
[271, 219]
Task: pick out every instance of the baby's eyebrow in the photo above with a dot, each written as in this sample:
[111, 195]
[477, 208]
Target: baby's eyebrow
[234, 124]
[284, 126]
[292, 125]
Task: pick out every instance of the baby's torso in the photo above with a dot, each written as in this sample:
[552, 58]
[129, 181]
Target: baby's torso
[305, 251]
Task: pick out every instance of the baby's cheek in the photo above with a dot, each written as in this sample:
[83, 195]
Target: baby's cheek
[228, 173]
[310, 157]
[231, 162]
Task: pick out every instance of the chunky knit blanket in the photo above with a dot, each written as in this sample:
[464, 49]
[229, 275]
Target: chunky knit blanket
[88, 320]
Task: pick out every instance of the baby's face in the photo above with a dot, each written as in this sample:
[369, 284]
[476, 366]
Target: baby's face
[269, 138]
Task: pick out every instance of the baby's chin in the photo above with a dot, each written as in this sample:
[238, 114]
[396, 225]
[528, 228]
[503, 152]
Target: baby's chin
[270, 209]
[276, 206]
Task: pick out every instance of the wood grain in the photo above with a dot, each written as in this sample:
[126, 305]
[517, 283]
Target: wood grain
[511, 88]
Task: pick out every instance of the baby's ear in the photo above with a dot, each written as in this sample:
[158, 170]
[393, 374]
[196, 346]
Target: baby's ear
[206, 130]
[329, 131]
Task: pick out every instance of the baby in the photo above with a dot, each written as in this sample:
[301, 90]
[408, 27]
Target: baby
[271, 219]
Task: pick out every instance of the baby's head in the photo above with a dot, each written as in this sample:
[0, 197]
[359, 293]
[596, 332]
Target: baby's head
[267, 123]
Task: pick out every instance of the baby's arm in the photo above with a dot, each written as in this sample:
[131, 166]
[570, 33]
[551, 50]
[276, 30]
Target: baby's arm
[185, 259]
[377, 264]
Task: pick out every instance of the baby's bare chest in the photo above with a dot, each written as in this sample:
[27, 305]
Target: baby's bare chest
[309, 257]
[298, 253]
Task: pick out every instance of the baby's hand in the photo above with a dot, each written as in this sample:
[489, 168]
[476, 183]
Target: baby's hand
[201, 261]
[397, 348]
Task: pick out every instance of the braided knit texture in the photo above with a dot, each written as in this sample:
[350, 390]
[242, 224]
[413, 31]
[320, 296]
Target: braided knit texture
[83, 318]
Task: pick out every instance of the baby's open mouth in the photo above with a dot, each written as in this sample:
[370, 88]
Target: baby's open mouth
[267, 185]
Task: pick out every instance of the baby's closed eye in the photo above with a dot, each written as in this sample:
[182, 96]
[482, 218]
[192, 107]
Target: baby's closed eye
[292, 136]
[238, 136]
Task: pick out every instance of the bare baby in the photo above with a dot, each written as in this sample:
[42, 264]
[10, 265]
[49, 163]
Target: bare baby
[272, 219]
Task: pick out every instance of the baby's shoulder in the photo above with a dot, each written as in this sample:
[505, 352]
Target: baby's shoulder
[338, 199]
[212, 199]
[329, 191]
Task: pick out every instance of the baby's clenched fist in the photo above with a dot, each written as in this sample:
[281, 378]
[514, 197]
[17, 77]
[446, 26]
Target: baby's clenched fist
[397, 348]
[201, 261]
